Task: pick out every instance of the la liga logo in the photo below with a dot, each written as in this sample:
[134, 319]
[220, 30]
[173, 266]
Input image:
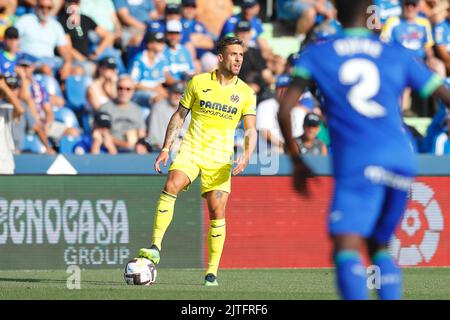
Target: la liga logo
[418, 236]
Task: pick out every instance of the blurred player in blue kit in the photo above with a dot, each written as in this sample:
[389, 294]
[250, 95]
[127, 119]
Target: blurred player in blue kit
[361, 80]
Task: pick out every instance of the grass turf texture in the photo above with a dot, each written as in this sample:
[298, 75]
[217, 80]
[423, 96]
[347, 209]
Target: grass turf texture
[180, 284]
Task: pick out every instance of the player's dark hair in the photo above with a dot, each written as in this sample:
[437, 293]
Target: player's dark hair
[227, 41]
[349, 11]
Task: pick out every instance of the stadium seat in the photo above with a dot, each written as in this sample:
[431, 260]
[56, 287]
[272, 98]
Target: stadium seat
[67, 144]
[76, 88]
[32, 144]
[66, 116]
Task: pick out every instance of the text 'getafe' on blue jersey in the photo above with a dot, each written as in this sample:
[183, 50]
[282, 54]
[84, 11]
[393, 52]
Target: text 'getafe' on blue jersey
[362, 80]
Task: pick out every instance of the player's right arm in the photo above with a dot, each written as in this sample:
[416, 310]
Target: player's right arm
[173, 130]
[176, 123]
[302, 79]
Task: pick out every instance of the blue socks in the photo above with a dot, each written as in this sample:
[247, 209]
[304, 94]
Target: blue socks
[351, 275]
[391, 277]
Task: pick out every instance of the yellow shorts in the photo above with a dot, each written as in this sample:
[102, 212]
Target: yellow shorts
[213, 176]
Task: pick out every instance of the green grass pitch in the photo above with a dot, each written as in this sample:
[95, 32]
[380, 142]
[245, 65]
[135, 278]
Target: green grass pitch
[181, 284]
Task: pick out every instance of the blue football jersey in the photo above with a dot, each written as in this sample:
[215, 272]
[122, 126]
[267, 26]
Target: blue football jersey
[441, 32]
[387, 9]
[7, 63]
[180, 61]
[362, 80]
[150, 75]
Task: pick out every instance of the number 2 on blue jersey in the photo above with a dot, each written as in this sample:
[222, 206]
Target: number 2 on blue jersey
[364, 77]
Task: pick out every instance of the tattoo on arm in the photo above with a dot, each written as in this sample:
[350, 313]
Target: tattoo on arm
[174, 126]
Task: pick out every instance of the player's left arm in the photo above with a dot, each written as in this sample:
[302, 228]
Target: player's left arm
[250, 139]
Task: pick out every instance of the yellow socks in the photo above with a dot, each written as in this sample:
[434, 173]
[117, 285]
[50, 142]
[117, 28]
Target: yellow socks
[216, 239]
[163, 217]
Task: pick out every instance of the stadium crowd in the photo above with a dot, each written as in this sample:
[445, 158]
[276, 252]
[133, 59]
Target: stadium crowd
[105, 76]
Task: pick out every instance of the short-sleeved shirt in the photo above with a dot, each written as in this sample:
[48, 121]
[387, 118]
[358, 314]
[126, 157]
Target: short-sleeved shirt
[180, 61]
[40, 40]
[442, 34]
[138, 9]
[231, 22]
[415, 36]
[101, 11]
[79, 34]
[387, 9]
[123, 119]
[7, 62]
[215, 113]
[361, 81]
[149, 75]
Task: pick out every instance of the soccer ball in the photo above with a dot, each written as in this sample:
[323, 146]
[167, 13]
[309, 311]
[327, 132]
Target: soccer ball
[140, 271]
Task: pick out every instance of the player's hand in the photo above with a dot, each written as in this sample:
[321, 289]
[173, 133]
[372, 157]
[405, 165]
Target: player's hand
[241, 163]
[301, 175]
[162, 157]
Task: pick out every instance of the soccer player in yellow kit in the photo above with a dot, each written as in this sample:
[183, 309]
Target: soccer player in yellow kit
[217, 100]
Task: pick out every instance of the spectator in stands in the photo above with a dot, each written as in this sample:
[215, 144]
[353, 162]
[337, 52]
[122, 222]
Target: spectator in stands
[79, 29]
[103, 12]
[178, 56]
[104, 15]
[200, 38]
[442, 142]
[11, 52]
[6, 17]
[31, 121]
[172, 11]
[135, 16]
[40, 34]
[102, 138]
[161, 114]
[414, 33]
[10, 109]
[442, 38]
[308, 142]
[127, 124]
[435, 10]
[103, 88]
[253, 60]
[249, 12]
[305, 13]
[150, 70]
[160, 6]
[387, 9]
[270, 139]
[41, 100]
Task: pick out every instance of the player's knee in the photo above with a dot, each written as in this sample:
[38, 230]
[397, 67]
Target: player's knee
[217, 213]
[172, 186]
[348, 242]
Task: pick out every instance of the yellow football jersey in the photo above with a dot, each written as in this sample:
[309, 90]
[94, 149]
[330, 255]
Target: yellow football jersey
[215, 113]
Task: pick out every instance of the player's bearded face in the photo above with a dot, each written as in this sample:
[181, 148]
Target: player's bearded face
[232, 59]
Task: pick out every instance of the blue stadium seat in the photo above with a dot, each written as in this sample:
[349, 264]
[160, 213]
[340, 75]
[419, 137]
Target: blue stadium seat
[32, 144]
[66, 116]
[67, 144]
[76, 89]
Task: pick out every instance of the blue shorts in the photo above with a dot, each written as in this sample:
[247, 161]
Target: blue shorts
[369, 205]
